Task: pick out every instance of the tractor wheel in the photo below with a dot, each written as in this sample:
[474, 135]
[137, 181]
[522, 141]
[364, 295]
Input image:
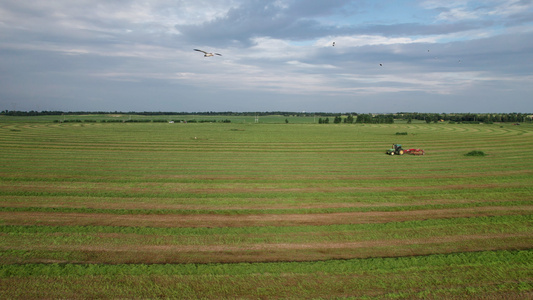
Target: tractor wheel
[400, 152]
[392, 153]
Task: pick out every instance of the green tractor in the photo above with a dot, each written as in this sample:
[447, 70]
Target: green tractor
[396, 149]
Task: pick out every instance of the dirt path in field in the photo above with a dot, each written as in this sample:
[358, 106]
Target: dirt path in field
[212, 220]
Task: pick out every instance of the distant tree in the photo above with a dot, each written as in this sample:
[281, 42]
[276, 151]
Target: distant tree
[337, 120]
[349, 119]
[364, 118]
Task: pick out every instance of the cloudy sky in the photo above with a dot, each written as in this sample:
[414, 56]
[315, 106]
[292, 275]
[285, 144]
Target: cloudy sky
[277, 55]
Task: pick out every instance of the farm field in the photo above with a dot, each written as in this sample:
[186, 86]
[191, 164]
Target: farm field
[243, 210]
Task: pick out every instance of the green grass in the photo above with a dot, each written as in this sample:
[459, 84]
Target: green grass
[79, 200]
[516, 223]
[262, 211]
[88, 236]
[485, 258]
[475, 153]
[481, 274]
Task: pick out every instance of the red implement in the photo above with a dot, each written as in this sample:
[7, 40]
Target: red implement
[415, 151]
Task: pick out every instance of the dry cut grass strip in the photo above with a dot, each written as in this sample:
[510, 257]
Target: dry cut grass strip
[208, 220]
[275, 252]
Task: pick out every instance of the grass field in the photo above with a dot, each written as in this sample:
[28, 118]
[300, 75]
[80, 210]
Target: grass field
[244, 210]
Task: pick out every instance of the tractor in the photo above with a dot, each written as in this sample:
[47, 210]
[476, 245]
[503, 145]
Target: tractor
[396, 149]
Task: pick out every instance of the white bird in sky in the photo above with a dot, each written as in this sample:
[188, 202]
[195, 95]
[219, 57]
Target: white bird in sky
[207, 54]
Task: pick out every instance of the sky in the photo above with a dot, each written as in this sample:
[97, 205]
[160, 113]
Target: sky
[389, 56]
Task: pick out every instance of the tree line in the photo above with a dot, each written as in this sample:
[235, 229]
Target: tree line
[486, 118]
[168, 113]
[336, 118]
[360, 118]
[141, 121]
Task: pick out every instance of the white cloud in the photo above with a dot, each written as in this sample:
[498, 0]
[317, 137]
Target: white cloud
[511, 7]
[476, 10]
[372, 40]
[300, 64]
[458, 14]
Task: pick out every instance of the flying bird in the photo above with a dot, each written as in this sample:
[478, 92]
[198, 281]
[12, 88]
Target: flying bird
[333, 44]
[207, 54]
[381, 65]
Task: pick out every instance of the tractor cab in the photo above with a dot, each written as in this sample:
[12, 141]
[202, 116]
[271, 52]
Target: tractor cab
[396, 149]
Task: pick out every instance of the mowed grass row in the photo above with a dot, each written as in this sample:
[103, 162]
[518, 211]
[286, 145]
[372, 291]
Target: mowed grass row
[234, 169]
[108, 194]
[479, 275]
[337, 156]
[101, 244]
